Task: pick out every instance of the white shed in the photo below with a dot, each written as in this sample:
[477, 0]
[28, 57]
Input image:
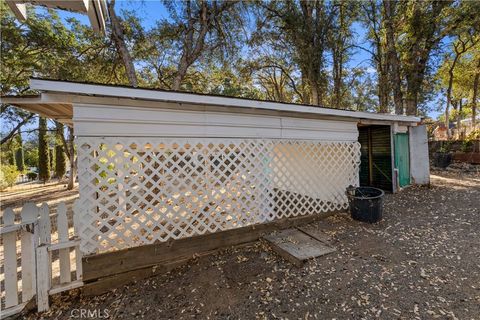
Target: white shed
[157, 165]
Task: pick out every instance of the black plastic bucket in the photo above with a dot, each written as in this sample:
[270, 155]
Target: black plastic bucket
[441, 159]
[366, 204]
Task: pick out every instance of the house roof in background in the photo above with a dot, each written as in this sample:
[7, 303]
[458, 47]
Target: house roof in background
[96, 10]
[57, 108]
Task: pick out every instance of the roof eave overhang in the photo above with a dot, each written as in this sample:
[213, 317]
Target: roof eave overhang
[191, 98]
[44, 105]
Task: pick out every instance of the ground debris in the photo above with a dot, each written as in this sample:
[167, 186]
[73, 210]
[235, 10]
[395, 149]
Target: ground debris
[420, 262]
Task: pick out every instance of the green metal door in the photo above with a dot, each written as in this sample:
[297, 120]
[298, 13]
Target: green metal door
[402, 159]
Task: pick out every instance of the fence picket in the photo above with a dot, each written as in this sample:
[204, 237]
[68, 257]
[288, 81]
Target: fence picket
[44, 264]
[29, 215]
[64, 254]
[76, 232]
[10, 252]
[44, 225]
[35, 230]
[44, 258]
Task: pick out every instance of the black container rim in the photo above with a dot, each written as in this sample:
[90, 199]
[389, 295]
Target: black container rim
[382, 193]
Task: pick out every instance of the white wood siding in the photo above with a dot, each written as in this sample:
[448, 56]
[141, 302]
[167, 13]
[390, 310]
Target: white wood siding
[419, 160]
[120, 121]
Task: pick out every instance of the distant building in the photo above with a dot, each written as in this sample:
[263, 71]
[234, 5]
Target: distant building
[440, 132]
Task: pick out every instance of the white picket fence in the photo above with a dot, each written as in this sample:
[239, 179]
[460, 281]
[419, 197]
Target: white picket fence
[43, 243]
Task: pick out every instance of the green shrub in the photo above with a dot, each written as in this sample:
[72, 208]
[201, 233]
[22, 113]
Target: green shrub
[8, 176]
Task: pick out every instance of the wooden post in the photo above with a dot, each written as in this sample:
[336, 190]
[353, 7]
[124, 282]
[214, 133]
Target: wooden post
[77, 234]
[29, 216]
[44, 279]
[64, 254]
[10, 248]
[44, 261]
[44, 225]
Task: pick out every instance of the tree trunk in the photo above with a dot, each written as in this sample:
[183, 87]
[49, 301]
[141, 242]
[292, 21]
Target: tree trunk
[393, 59]
[119, 40]
[314, 91]
[60, 162]
[449, 94]
[414, 87]
[8, 136]
[383, 91]
[476, 83]
[459, 119]
[426, 25]
[72, 158]
[180, 75]
[411, 102]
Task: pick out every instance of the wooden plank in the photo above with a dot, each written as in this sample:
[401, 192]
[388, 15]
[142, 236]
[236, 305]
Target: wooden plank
[66, 287]
[111, 263]
[44, 264]
[63, 254]
[315, 233]
[9, 229]
[12, 310]
[29, 214]
[78, 263]
[44, 225]
[64, 245]
[10, 251]
[106, 284]
[296, 246]
[111, 282]
[18, 9]
[76, 231]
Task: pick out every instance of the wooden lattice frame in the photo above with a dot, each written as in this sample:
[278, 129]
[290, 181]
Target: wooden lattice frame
[136, 191]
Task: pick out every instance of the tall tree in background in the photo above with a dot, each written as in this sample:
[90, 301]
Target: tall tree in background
[305, 25]
[391, 19]
[60, 160]
[374, 22]
[19, 154]
[43, 151]
[69, 149]
[118, 37]
[476, 84]
[425, 27]
[461, 45]
[340, 42]
[201, 27]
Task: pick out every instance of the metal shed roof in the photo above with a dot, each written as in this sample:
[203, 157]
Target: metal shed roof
[57, 98]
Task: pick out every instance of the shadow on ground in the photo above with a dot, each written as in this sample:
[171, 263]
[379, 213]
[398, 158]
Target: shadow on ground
[422, 261]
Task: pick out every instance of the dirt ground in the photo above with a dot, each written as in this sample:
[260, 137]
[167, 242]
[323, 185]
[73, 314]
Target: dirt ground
[421, 262]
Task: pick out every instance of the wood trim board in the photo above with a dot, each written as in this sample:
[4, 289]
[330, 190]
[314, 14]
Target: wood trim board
[105, 271]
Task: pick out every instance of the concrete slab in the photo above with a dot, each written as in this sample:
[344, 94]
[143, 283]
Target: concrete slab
[297, 246]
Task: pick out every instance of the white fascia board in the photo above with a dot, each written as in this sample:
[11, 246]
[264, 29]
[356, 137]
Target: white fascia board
[18, 9]
[179, 97]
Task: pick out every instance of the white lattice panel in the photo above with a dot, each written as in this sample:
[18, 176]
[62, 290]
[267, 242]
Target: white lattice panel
[136, 191]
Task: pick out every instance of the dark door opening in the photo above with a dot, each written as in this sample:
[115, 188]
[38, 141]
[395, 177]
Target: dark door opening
[376, 157]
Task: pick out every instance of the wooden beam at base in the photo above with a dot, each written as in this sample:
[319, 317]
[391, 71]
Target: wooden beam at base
[118, 262]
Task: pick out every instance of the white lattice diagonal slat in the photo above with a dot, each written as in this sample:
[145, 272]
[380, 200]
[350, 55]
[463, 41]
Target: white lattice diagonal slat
[137, 191]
